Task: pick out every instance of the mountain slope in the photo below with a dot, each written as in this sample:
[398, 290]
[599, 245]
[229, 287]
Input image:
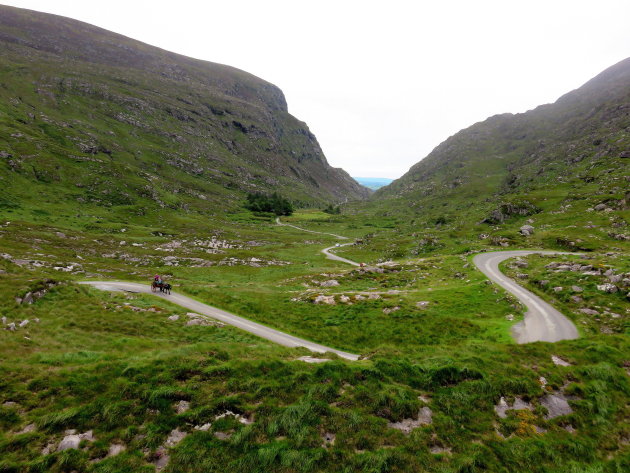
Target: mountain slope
[90, 116]
[556, 160]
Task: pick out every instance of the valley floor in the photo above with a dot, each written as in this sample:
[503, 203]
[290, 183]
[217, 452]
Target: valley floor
[136, 384]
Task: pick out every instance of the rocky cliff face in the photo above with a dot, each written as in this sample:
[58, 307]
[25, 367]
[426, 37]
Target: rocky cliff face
[99, 118]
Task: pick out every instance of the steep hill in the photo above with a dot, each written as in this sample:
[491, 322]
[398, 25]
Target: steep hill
[556, 161]
[91, 116]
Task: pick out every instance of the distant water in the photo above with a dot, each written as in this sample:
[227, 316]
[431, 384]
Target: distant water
[373, 182]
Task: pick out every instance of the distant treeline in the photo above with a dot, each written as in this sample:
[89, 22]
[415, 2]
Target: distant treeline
[273, 203]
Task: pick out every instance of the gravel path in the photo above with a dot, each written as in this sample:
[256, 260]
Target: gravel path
[260, 330]
[325, 251]
[542, 323]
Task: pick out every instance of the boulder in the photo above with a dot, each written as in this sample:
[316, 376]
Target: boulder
[321, 299]
[607, 287]
[69, 442]
[576, 289]
[389, 310]
[182, 406]
[173, 318]
[589, 311]
[115, 449]
[557, 289]
[527, 230]
[559, 361]
[174, 438]
[556, 405]
[28, 298]
[330, 283]
[576, 299]
[600, 207]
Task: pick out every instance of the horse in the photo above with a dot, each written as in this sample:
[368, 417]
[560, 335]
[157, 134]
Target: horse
[166, 288]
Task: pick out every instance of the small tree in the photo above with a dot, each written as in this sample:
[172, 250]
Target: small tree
[273, 203]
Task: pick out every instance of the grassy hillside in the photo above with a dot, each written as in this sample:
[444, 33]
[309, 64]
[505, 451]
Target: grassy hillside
[103, 121]
[562, 168]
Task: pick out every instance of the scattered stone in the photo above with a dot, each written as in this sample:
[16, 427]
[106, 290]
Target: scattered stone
[115, 449]
[510, 317]
[576, 289]
[522, 276]
[576, 299]
[557, 289]
[600, 207]
[222, 435]
[422, 304]
[330, 283]
[527, 230]
[502, 407]
[359, 297]
[26, 430]
[173, 318]
[182, 406]
[556, 405]
[374, 296]
[437, 450]
[24, 323]
[519, 263]
[569, 428]
[174, 438]
[607, 287]
[162, 459]
[11, 327]
[543, 381]
[389, 310]
[543, 282]
[559, 361]
[321, 299]
[344, 299]
[4, 320]
[69, 442]
[48, 449]
[204, 427]
[407, 425]
[310, 359]
[589, 311]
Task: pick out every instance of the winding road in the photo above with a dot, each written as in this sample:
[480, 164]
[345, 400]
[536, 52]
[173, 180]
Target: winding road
[325, 251]
[260, 330]
[542, 323]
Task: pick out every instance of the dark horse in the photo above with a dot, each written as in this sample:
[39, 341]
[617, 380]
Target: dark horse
[163, 287]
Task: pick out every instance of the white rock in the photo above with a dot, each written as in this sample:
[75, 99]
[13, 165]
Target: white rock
[174, 438]
[310, 359]
[559, 361]
[24, 323]
[173, 318]
[69, 442]
[321, 299]
[204, 427]
[115, 449]
[182, 406]
[609, 288]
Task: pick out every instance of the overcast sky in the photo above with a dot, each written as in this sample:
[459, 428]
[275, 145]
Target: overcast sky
[381, 83]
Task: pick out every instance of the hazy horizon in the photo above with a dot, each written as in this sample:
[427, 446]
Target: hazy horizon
[380, 86]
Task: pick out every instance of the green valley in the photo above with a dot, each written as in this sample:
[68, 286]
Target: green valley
[119, 161]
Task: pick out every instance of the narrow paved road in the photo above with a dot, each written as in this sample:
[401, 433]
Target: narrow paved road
[542, 323]
[226, 317]
[325, 251]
